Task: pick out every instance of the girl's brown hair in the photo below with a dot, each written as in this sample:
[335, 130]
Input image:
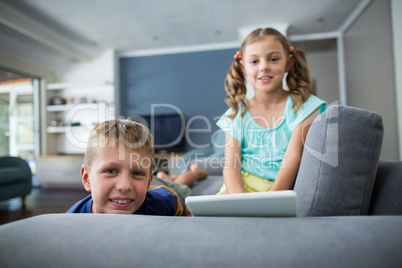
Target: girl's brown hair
[299, 82]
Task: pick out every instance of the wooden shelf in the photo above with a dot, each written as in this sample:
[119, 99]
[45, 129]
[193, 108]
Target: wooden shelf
[66, 107]
[60, 86]
[51, 129]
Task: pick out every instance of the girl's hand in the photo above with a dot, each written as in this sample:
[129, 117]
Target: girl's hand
[188, 213]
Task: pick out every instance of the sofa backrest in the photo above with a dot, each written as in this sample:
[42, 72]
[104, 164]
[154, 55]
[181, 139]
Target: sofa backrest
[339, 162]
[387, 198]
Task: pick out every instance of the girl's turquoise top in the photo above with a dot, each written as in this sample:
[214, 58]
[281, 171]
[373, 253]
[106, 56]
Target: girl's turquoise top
[262, 149]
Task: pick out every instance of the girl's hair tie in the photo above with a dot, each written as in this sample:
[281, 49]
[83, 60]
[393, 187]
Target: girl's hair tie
[291, 48]
[237, 56]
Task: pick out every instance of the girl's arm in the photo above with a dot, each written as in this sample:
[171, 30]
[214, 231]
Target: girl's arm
[286, 177]
[232, 170]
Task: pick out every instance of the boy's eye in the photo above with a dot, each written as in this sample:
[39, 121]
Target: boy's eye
[110, 171]
[138, 173]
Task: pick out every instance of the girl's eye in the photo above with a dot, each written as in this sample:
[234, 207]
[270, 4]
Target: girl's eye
[273, 59]
[253, 61]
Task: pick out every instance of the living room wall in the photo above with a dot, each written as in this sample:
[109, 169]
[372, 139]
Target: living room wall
[396, 9]
[186, 77]
[370, 70]
[193, 82]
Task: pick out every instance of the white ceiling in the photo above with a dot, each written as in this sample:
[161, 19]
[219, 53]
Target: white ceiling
[48, 33]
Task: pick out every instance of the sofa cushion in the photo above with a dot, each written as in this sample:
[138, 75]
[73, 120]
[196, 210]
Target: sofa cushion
[387, 198]
[339, 162]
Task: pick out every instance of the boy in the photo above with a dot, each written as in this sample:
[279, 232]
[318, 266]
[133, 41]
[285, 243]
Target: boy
[117, 170]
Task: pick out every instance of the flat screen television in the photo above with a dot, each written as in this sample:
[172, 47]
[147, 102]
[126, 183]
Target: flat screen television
[167, 130]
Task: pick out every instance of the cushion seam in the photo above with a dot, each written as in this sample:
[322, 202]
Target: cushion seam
[313, 201]
[367, 169]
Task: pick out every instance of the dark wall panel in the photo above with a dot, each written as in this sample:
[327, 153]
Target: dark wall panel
[190, 82]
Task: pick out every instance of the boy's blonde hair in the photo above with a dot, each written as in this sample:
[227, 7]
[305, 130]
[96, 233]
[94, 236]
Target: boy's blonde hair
[117, 132]
[299, 81]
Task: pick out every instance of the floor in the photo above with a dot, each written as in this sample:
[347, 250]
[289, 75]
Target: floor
[40, 201]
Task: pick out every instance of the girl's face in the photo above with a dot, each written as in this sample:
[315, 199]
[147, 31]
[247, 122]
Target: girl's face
[264, 64]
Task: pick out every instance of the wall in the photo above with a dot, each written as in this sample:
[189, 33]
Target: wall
[192, 81]
[396, 11]
[324, 70]
[369, 63]
[101, 68]
[25, 68]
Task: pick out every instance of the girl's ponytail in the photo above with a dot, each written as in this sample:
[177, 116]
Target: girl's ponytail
[235, 87]
[299, 81]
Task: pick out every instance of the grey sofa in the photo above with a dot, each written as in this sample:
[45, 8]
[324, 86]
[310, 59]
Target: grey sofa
[350, 215]
[15, 178]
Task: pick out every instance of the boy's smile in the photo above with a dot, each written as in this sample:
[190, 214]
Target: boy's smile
[118, 181]
[121, 202]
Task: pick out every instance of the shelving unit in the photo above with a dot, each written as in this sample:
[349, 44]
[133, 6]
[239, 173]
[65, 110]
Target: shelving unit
[51, 129]
[66, 126]
[66, 107]
[58, 108]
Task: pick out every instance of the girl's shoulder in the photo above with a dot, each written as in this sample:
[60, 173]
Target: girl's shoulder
[237, 117]
[233, 126]
[229, 111]
[293, 119]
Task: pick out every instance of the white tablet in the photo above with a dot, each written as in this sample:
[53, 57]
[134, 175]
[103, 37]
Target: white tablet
[261, 204]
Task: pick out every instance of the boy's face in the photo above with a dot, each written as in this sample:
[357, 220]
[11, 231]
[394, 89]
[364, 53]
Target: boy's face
[118, 186]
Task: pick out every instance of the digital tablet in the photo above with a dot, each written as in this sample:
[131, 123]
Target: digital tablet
[260, 204]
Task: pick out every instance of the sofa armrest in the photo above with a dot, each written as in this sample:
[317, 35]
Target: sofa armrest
[16, 162]
[386, 197]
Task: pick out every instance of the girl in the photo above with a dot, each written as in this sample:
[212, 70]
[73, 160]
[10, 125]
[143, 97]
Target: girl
[264, 136]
